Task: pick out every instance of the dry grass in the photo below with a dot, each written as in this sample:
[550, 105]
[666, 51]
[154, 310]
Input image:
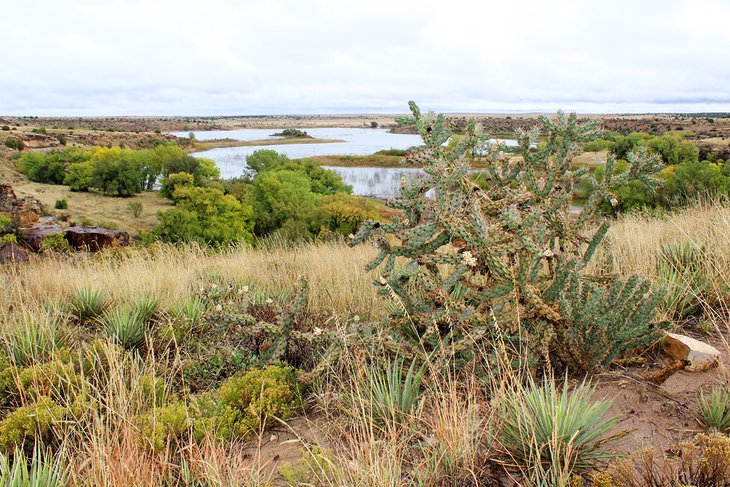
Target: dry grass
[337, 281]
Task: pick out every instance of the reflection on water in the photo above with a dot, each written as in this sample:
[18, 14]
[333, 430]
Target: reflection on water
[375, 182]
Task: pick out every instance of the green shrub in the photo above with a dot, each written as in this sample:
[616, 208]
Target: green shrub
[123, 326]
[40, 130]
[259, 395]
[57, 379]
[41, 470]
[55, 241]
[61, 204]
[715, 410]
[165, 425]
[33, 339]
[5, 128]
[134, 208]
[26, 424]
[552, 433]
[207, 216]
[8, 238]
[87, 303]
[14, 143]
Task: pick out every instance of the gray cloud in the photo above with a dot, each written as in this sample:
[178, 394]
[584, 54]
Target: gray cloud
[86, 57]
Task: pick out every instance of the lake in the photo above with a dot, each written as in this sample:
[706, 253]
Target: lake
[376, 182]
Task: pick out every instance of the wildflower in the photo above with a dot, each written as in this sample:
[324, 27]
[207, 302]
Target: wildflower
[356, 318]
[468, 259]
[317, 331]
[383, 281]
[548, 253]
[351, 236]
[219, 307]
[269, 301]
[614, 202]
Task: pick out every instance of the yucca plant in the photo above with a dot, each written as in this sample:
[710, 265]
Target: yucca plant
[40, 471]
[146, 307]
[34, 338]
[715, 409]
[393, 390]
[553, 433]
[87, 303]
[190, 309]
[124, 326]
[682, 270]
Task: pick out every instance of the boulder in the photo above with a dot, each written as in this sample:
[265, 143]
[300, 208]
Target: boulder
[24, 211]
[33, 236]
[700, 355]
[11, 252]
[94, 239]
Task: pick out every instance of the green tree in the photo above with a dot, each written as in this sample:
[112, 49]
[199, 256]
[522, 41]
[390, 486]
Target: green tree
[117, 172]
[78, 176]
[264, 160]
[207, 216]
[174, 181]
[280, 196]
[323, 181]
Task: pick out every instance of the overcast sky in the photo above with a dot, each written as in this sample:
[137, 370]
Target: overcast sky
[219, 57]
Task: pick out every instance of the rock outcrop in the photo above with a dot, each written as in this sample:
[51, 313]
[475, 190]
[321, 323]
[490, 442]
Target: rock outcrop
[94, 239]
[24, 211]
[33, 236]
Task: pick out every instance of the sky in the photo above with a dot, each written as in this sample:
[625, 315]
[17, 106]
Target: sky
[249, 57]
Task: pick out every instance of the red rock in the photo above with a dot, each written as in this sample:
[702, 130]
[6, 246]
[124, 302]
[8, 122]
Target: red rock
[11, 252]
[94, 239]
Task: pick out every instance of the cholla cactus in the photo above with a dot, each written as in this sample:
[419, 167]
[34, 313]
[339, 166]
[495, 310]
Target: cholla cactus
[474, 255]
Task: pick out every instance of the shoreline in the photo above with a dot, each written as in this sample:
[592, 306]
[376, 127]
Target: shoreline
[199, 146]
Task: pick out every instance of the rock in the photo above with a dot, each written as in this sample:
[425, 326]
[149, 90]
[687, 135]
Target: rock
[11, 252]
[700, 355]
[33, 236]
[93, 239]
[24, 211]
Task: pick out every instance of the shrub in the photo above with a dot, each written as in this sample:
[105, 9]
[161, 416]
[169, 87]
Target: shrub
[29, 423]
[123, 326]
[553, 434]
[41, 470]
[54, 241]
[40, 130]
[704, 460]
[87, 303]
[262, 394]
[61, 204]
[207, 216]
[134, 208]
[715, 410]
[14, 143]
[165, 425]
[264, 160]
[505, 261]
[5, 128]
